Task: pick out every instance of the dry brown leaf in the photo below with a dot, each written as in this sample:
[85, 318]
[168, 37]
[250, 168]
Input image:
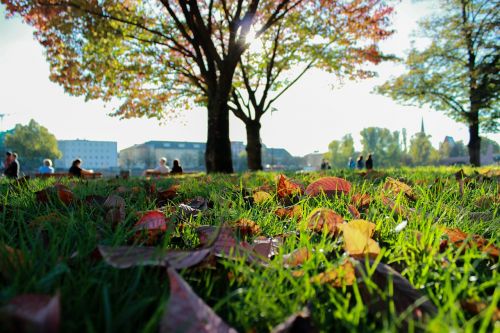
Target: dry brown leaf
[247, 227]
[32, 313]
[361, 201]
[396, 187]
[353, 211]
[289, 212]
[297, 257]
[298, 322]
[343, 275]
[324, 218]
[475, 307]
[329, 185]
[131, 256]
[186, 312]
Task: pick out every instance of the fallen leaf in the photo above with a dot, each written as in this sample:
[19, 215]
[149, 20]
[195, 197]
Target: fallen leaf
[289, 212]
[353, 211]
[131, 256]
[297, 257]
[324, 218]
[33, 313]
[361, 201]
[163, 196]
[287, 187]
[331, 186]
[116, 209]
[261, 197]
[342, 275]
[404, 295]
[475, 307]
[151, 226]
[357, 238]
[186, 312]
[266, 247]
[298, 322]
[397, 208]
[395, 186]
[11, 260]
[247, 227]
[458, 238]
[151, 220]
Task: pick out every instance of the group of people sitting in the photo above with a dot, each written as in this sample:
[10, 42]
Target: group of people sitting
[163, 168]
[12, 167]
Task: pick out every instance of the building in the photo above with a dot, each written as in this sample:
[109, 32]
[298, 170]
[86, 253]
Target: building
[190, 154]
[96, 155]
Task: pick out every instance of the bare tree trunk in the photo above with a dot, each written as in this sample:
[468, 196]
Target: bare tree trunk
[218, 149]
[254, 147]
[474, 138]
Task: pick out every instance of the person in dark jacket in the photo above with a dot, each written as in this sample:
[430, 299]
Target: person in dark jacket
[12, 170]
[369, 163]
[176, 168]
[76, 169]
[360, 164]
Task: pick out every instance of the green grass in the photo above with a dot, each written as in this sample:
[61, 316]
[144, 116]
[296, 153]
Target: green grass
[99, 298]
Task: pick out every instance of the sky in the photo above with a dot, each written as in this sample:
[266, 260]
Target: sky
[309, 116]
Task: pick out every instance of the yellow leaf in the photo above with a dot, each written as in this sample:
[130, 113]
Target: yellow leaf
[357, 238]
[261, 197]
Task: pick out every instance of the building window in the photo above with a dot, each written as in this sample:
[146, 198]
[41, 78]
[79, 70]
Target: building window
[166, 145]
[181, 145]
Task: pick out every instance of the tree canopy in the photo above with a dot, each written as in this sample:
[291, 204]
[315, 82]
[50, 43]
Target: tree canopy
[32, 143]
[155, 57]
[337, 39]
[457, 72]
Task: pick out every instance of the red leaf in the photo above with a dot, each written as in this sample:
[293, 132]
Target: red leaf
[186, 312]
[329, 185]
[130, 256]
[152, 220]
[34, 313]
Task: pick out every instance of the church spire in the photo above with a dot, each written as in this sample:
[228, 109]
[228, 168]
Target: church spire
[422, 128]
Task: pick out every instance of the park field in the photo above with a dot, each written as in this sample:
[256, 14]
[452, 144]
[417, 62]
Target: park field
[393, 250]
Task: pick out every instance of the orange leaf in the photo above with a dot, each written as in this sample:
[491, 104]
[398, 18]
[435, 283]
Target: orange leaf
[297, 257]
[329, 185]
[321, 218]
[289, 212]
[338, 276]
[395, 186]
[247, 227]
[286, 187]
[361, 201]
[354, 212]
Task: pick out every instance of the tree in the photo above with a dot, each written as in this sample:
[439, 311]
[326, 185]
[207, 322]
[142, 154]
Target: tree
[384, 145]
[485, 144]
[458, 72]
[339, 151]
[338, 38]
[154, 56]
[33, 143]
[421, 150]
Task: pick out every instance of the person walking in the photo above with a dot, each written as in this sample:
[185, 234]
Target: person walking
[360, 163]
[351, 164]
[369, 163]
[12, 170]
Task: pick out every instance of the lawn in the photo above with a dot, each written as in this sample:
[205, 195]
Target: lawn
[396, 250]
